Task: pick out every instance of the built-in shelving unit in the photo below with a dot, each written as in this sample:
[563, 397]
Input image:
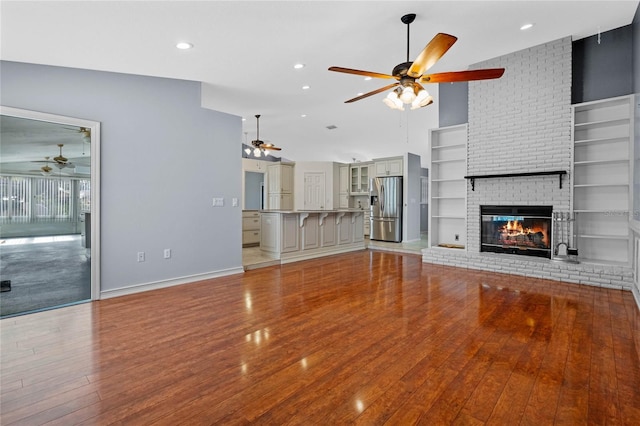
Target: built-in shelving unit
[601, 175]
[447, 191]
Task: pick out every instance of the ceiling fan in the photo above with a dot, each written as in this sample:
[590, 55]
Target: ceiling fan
[59, 160]
[407, 89]
[261, 145]
[46, 170]
[85, 132]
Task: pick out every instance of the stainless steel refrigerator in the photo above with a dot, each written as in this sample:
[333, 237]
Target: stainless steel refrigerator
[386, 209]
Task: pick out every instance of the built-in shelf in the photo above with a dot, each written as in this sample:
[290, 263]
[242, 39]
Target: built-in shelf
[600, 140]
[600, 185]
[601, 123]
[458, 145]
[602, 170]
[447, 226]
[604, 237]
[453, 160]
[592, 162]
[609, 212]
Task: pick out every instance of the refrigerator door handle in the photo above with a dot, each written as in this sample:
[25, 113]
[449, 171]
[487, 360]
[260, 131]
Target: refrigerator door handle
[382, 198]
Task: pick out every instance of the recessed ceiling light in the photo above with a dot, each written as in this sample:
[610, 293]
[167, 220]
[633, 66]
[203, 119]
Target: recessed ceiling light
[526, 27]
[367, 78]
[303, 115]
[183, 45]
[298, 66]
[305, 87]
[360, 94]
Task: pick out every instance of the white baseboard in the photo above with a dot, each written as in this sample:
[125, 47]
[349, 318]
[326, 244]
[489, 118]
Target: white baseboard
[138, 288]
[636, 295]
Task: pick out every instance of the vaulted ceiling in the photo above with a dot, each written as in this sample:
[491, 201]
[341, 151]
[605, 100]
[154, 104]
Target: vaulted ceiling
[245, 51]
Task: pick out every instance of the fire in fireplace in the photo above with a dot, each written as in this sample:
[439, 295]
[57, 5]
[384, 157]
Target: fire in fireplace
[523, 230]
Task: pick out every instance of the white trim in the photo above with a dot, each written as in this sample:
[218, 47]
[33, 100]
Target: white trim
[139, 288]
[636, 295]
[95, 178]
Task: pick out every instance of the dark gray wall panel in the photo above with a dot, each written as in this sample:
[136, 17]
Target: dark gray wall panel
[453, 104]
[603, 70]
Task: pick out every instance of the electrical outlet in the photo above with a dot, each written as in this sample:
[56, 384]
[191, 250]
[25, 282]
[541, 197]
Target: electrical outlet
[234, 202]
[167, 253]
[140, 256]
[457, 237]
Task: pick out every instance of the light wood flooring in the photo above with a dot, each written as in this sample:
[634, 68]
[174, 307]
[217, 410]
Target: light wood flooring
[368, 337]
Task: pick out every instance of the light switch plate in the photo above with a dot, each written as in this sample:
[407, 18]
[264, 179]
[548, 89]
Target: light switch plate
[234, 202]
[218, 202]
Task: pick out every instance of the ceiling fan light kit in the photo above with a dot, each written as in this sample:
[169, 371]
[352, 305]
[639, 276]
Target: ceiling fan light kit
[260, 147]
[407, 90]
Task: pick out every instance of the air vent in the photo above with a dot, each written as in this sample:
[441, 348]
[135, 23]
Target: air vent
[331, 127]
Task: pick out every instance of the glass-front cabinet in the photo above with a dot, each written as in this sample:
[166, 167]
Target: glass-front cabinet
[359, 179]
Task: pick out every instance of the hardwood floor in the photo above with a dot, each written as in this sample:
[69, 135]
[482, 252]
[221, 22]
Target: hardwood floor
[369, 337]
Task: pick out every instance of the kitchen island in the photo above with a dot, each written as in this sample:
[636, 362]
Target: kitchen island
[306, 234]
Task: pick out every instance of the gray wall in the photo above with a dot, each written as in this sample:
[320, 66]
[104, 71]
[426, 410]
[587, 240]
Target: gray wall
[636, 53]
[454, 98]
[603, 70]
[599, 71]
[163, 159]
[412, 202]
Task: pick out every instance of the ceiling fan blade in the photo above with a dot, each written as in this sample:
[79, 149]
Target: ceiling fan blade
[457, 76]
[270, 147]
[360, 72]
[433, 51]
[366, 95]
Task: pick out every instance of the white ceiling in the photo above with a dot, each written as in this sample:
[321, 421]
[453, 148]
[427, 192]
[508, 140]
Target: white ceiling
[245, 51]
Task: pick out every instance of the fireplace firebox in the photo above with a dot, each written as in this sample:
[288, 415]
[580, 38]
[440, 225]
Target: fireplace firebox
[522, 230]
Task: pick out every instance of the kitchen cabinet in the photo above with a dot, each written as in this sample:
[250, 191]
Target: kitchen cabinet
[343, 187]
[280, 178]
[250, 228]
[389, 167]
[602, 171]
[279, 201]
[359, 178]
[280, 186]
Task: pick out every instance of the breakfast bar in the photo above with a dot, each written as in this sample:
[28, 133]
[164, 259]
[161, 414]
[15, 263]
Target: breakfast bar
[306, 234]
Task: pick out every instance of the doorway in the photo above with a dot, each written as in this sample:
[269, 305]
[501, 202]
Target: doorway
[50, 216]
[253, 191]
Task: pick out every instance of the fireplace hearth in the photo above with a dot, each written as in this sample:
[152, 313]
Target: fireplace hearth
[520, 230]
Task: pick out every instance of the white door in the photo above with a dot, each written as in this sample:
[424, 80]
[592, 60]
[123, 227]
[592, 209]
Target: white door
[314, 191]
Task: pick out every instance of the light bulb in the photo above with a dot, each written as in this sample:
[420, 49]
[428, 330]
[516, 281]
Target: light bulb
[256, 152]
[408, 95]
[248, 151]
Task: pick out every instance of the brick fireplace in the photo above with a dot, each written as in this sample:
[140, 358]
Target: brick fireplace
[520, 126]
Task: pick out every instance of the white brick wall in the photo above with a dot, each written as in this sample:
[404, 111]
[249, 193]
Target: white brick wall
[522, 123]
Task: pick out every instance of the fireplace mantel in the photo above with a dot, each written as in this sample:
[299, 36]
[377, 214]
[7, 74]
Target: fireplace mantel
[560, 173]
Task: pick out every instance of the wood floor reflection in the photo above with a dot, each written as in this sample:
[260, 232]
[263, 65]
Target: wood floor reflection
[369, 337]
